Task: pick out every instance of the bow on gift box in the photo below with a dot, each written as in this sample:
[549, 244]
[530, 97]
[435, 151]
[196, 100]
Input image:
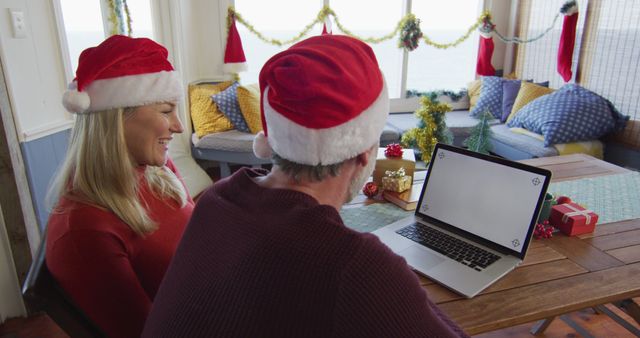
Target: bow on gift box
[393, 150]
[395, 173]
[576, 212]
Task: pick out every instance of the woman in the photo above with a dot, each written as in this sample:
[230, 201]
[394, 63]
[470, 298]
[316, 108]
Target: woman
[121, 207]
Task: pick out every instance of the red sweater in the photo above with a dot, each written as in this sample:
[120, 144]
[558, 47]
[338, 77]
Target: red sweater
[258, 262]
[108, 270]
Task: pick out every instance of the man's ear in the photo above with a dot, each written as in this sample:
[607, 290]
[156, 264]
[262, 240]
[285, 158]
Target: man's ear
[364, 158]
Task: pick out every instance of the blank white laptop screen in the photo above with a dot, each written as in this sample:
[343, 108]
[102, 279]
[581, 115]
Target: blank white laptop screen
[477, 196]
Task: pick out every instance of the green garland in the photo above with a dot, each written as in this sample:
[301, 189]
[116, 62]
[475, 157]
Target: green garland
[408, 22]
[434, 94]
[116, 17]
[408, 27]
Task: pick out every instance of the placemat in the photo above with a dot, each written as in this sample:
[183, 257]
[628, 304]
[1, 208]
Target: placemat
[373, 216]
[613, 197]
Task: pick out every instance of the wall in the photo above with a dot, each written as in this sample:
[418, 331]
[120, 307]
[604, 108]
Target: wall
[33, 69]
[42, 157]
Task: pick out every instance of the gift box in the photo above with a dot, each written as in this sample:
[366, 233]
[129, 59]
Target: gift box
[384, 164]
[572, 219]
[398, 184]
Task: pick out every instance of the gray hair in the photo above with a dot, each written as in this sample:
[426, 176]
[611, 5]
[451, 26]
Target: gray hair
[314, 173]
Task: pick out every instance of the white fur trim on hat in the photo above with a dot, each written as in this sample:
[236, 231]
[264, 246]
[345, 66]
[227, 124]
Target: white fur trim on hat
[128, 91]
[235, 67]
[308, 146]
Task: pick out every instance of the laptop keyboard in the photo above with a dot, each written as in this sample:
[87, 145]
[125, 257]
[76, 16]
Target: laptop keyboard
[461, 251]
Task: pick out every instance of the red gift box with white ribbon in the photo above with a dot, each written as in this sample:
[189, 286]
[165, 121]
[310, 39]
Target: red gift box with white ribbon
[572, 219]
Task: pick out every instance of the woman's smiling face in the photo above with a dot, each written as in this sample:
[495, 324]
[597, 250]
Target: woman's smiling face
[148, 131]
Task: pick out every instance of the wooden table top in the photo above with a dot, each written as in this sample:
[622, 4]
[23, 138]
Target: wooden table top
[559, 275]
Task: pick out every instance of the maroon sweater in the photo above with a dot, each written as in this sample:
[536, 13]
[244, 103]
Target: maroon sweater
[108, 270]
[258, 262]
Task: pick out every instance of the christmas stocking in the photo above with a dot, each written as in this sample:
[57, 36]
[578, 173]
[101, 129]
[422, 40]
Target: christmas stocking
[485, 52]
[567, 39]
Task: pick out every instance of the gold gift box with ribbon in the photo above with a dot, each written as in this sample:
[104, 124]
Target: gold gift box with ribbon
[396, 180]
[383, 164]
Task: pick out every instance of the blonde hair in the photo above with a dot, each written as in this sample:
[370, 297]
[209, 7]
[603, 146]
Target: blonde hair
[98, 170]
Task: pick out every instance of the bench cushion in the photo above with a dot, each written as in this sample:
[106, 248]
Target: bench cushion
[231, 140]
[516, 146]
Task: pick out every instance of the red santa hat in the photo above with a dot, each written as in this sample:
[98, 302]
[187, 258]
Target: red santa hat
[234, 59]
[323, 101]
[122, 72]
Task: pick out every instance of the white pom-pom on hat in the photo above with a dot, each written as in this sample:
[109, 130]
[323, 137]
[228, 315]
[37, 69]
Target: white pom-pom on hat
[75, 101]
[261, 147]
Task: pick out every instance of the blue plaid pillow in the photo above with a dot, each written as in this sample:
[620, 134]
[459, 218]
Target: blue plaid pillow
[227, 101]
[570, 114]
[490, 97]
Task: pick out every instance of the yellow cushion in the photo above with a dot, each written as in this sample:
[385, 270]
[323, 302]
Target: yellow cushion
[249, 101]
[205, 115]
[473, 90]
[528, 92]
[594, 148]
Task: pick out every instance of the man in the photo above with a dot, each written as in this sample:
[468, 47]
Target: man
[266, 254]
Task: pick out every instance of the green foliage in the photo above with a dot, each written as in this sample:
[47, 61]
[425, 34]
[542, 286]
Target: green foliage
[479, 140]
[434, 94]
[432, 128]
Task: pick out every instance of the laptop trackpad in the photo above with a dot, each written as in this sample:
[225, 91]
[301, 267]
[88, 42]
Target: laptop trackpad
[420, 259]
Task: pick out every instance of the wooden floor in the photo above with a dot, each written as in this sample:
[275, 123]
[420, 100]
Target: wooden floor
[598, 325]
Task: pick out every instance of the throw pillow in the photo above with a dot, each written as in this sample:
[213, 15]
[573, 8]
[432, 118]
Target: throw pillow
[473, 90]
[527, 93]
[571, 114]
[249, 101]
[227, 101]
[510, 91]
[490, 97]
[205, 115]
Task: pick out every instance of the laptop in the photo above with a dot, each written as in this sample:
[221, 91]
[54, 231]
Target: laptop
[474, 221]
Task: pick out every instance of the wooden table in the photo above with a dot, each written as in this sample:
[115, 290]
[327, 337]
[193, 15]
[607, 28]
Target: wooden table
[559, 275]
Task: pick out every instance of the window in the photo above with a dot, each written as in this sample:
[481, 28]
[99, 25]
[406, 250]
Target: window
[605, 56]
[375, 18]
[537, 60]
[85, 22]
[611, 53]
[428, 68]
[444, 21]
[278, 24]
[83, 26]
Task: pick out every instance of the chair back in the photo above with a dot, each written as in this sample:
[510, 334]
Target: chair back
[41, 292]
